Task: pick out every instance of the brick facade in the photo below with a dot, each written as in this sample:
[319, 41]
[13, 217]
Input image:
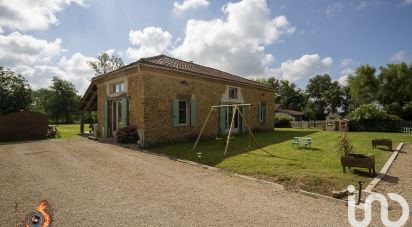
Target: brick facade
[151, 89]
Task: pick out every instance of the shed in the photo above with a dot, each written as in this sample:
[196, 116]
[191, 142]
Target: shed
[23, 125]
[336, 123]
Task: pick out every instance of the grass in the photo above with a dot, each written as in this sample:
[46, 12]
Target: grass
[317, 169]
[69, 131]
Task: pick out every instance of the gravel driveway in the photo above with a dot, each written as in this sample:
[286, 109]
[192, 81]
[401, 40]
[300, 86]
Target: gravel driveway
[399, 180]
[95, 184]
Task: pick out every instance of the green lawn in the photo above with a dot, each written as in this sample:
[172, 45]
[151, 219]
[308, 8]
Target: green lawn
[317, 169]
[69, 131]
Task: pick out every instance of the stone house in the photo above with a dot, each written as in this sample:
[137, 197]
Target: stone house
[168, 99]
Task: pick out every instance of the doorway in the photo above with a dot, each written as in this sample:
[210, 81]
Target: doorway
[228, 121]
[116, 118]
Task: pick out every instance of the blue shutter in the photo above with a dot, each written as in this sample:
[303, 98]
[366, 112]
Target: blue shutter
[125, 111]
[222, 120]
[106, 118]
[175, 112]
[264, 112]
[192, 112]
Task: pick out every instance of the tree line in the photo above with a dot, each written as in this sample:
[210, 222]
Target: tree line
[59, 101]
[369, 94]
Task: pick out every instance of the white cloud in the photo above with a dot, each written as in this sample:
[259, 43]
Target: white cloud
[343, 80]
[346, 62]
[16, 49]
[27, 15]
[74, 69]
[304, 67]
[333, 9]
[179, 8]
[399, 56]
[361, 5]
[237, 43]
[407, 2]
[151, 41]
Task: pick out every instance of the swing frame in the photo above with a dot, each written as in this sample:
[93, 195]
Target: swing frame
[235, 108]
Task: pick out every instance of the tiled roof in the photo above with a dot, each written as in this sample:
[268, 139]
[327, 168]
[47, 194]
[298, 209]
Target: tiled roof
[290, 112]
[176, 64]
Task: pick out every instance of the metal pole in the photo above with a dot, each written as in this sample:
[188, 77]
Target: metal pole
[230, 130]
[203, 127]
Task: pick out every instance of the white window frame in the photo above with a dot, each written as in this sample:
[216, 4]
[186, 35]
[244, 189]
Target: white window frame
[187, 112]
[236, 92]
[121, 85]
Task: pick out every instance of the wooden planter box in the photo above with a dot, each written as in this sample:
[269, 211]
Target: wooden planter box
[359, 161]
[382, 142]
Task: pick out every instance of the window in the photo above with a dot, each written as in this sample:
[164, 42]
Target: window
[262, 112]
[232, 93]
[183, 112]
[119, 87]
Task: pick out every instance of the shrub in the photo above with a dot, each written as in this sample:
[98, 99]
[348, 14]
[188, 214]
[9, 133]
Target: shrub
[282, 122]
[127, 134]
[368, 112]
[343, 146]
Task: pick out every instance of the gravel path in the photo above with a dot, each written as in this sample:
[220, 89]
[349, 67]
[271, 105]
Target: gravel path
[399, 180]
[94, 184]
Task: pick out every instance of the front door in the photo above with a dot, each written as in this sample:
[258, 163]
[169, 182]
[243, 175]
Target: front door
[116, 116]
[228, 120]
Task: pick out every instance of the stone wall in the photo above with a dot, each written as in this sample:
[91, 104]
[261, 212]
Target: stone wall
[151, 90]
[161, 85]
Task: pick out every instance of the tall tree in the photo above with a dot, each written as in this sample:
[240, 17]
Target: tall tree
[395, 88]
[15, 92]
[363, 85]
[325, 96]
[41, 100]
[106, 63]
[289, 96]
[64, 101]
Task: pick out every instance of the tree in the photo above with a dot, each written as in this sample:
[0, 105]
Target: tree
[289, 96]
[63, 101]
[368, 112]
[106, 63]
[15, 92]
[395, 88]
[41, 100]
[406, 113]
[325, 96]
[363, 85]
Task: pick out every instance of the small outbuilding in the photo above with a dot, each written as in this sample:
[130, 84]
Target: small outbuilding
[23, 125]
[336, 123]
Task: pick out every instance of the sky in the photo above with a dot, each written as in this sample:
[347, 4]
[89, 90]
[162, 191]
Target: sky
[287, 39]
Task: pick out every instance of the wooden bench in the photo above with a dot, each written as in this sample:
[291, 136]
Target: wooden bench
[382, 142]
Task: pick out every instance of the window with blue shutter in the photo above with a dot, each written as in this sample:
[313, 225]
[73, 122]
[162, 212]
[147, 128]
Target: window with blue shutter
[175, 112]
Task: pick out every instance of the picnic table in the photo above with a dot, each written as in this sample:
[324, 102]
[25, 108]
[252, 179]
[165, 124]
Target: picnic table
[305, 141]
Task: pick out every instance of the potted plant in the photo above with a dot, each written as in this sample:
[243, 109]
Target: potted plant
[349, 159]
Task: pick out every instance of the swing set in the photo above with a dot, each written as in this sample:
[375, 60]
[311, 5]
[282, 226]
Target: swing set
[235, 108]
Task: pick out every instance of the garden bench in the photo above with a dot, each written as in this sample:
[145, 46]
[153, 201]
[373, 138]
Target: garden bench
[382, 142]
[307, 142]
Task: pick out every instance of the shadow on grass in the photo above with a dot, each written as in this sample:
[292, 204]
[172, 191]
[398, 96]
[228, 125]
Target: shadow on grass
[213, 150]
